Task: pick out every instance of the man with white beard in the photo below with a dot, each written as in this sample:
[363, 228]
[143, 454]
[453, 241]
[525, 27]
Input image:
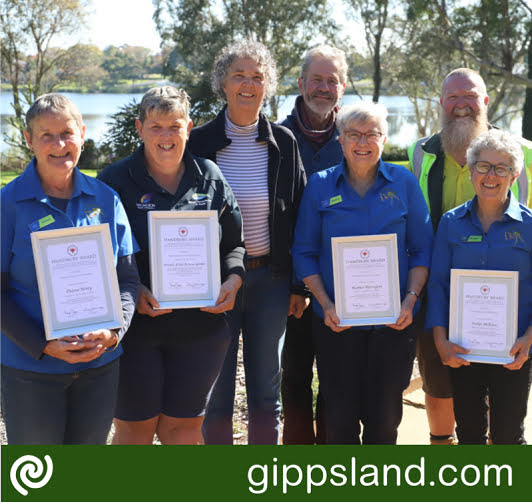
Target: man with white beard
[439, 162]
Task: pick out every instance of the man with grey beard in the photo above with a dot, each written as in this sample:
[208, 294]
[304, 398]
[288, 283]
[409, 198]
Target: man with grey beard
[313, 121]
[439, 162]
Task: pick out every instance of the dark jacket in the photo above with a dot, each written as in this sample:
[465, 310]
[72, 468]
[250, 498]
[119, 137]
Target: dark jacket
[330, 154]
[286, 179]
[202, 187]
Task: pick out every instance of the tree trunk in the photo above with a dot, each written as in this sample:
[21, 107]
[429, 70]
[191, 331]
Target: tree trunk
[527, 106]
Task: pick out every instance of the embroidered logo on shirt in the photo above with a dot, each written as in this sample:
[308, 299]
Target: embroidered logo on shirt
[145, 202]
[200, 199]
[94, 213]
[388, 195]
[514, 235]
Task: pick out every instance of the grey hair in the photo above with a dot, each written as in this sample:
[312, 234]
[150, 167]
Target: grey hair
[245, 48]
[164, 99]
[325, 52]
[499, 141]
[360, 113]
[472, 75]
[52, 103]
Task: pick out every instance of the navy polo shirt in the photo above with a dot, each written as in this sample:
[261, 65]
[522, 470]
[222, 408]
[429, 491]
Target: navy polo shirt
[330, 154]
[202, 187]
[461, 243]
[331, 208]
[25, 209]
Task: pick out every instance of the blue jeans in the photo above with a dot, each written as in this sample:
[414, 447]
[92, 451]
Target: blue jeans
[72, 408]
[260, 314]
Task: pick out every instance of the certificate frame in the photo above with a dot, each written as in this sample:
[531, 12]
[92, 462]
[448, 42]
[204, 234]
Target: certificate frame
[88, 303]
[176, 223]
[363, 247]
[495, 281]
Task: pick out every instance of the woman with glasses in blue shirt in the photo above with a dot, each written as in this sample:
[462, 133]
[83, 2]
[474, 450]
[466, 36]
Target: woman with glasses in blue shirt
[362, 370]
[502, 231]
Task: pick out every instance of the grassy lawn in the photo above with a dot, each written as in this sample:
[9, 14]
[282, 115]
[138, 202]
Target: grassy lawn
[7, 176]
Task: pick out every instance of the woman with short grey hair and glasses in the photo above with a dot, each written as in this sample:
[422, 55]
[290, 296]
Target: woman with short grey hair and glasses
[363, 370]
[492, 231]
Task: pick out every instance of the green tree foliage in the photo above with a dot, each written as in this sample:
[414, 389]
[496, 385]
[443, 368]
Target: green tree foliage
[375, 15]
[436, 36]
[126, 62]
[195, 30]
[29, 27]
[419, 61]
[493, 37]
[121, 138]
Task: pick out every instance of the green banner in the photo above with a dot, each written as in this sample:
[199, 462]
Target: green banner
[134, 473]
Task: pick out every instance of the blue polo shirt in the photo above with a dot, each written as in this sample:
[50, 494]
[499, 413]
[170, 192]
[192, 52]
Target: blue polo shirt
[25, 209]
[331, 208]
[461, 243]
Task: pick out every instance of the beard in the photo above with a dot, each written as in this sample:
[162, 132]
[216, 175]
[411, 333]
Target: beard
[457, 132]
[322, 108]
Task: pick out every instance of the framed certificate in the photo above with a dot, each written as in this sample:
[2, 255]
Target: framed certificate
[483, 313]
[366, 279]
[184, 258]
[78, 286]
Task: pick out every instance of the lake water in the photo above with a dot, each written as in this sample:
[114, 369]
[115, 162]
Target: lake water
[98, 108]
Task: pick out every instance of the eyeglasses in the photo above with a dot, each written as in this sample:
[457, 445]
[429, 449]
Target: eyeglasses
[483, 167]
[356, 136]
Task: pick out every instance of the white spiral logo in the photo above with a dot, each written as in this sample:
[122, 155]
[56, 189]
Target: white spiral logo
[30, 467]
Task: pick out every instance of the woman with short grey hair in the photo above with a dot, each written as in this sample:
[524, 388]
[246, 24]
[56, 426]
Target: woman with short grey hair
[60, 391]
[363, 370]
[172, 357]
[261, 162]
[492, 231]
[498, 141]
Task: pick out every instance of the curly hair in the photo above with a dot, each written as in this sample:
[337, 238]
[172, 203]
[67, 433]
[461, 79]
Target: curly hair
[245, 48]
[498, 141]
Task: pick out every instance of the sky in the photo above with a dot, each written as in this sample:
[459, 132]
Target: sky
[119, 22]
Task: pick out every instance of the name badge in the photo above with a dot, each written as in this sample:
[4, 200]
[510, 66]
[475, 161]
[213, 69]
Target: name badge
[335, 200]
[43, 222]
[474, 238]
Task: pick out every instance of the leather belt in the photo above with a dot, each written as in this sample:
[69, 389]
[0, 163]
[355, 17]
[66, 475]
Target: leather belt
[253, 262]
